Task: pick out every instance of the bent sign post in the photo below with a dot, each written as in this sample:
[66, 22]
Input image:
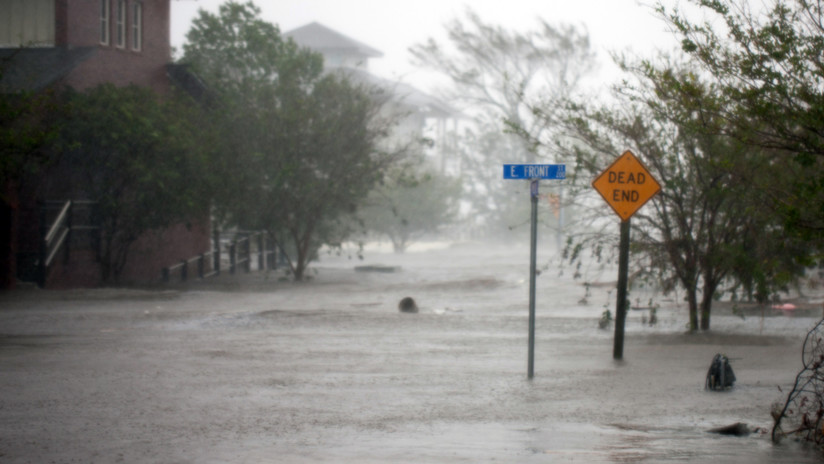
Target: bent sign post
[533, 173]
[626, 185]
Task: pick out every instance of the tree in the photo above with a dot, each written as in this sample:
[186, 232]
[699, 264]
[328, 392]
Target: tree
[300, 147]
[767, 68]
[26, 128]
[707, 226]
[136, 155]
[497, 77]
[405, 208]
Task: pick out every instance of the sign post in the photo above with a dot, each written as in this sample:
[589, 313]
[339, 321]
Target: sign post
[626, 185]
[533, 173]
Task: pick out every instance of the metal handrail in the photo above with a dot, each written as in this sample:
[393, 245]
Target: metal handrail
[236, 259]
[57, 222]
[56, 247]
[175, 266]
[58, 235]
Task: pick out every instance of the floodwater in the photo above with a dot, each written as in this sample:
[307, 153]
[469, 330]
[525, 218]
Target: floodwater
[251, 369]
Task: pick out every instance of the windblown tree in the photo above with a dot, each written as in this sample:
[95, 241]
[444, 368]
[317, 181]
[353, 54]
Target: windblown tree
[706, 231]
[497, 76]
[767, 66]
[137, 156]
[406, 208]
[300, 148]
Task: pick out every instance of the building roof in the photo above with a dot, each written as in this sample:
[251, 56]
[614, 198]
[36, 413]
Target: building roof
[182, 76]
[322, 39]
[404, 94]
[33, 69]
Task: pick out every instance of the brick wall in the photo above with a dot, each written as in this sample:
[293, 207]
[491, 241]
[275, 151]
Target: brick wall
[154, 251]
[78, 24]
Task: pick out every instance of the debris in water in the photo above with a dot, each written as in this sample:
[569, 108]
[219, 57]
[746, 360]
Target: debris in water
[377, 268]
[407, 305]
[785, 307]
[720, 375]
[738, 429]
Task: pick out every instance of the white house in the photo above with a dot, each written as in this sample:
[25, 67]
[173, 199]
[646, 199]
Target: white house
[424, 115]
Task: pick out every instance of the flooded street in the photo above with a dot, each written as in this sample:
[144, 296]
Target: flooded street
[249, 370]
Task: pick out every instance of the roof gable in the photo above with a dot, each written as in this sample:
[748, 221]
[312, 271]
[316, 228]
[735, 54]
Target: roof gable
[34, 69]
[403, 94]
[322, 39]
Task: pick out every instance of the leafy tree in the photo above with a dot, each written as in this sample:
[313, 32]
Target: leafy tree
[767, 67]
[26, 128]
[300, 148]
[24, 132]
[407, 207]
[498, 76]
[136, 155]
[707, 227]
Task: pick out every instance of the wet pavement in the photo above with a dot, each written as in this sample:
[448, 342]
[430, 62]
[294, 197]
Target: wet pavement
[254, 369]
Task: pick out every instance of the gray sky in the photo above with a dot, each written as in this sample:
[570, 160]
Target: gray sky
[392, 26]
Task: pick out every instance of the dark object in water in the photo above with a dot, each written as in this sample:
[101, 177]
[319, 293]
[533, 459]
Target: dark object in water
[739, 429]
[407, 305]
[720, 375]
[377, 268]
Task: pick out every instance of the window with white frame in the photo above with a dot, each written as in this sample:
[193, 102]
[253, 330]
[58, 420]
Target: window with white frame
[120, 24]
[104, 22]
[137, 26]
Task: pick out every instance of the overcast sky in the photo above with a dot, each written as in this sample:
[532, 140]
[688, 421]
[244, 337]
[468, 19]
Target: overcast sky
[393, 26]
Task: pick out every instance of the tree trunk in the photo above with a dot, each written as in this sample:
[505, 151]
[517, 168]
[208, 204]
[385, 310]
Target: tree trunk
[398, 246]
[300, 263]
[303, 250]
[298, 271]
[706, 304]
[692, 299]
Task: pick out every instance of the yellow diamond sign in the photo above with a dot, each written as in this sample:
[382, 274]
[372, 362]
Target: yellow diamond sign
[626, 185]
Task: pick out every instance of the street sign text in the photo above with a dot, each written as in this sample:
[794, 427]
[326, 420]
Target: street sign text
[534, 171]
[626, 185]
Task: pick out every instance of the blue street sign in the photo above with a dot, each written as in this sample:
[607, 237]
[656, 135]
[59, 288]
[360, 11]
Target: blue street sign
[534, 171]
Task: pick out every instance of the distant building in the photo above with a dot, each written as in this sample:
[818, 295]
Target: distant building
[338, 50]
[81, 44]
[425, 115]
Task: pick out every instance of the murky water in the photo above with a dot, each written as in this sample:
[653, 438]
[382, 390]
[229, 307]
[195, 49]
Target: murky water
[252, 370]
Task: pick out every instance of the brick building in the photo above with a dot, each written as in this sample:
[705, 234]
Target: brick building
[81, 44]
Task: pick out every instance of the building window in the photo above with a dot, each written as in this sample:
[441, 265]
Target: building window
[27, 23]
[137, 27]
[104, 22]
[120, 25]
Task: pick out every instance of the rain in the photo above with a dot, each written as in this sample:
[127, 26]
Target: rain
[438, 232]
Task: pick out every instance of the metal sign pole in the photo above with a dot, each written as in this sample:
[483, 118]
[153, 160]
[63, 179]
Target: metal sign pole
[533, 173]
[625, 185]
[621, 304]
[533, 248]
